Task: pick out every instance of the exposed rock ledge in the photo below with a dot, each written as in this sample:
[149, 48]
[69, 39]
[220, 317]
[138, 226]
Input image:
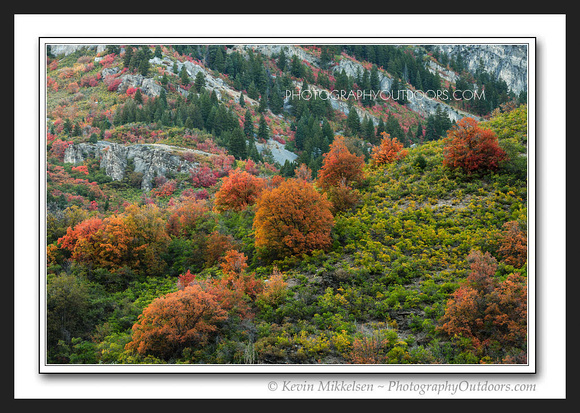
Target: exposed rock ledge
[149, 159]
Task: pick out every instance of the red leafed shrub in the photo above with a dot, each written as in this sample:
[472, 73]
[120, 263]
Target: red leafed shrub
[239, 190]
[185, 216]
[166, 189]
[490, 313]
[173, 322]
[184, 280]
[89, 81]
[107, 60]
[513, 245]
[203, 177]
[83, 169]
[112, 82]
[58, 148]
[472, 148]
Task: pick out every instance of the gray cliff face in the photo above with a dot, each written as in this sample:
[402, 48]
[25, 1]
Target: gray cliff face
[149, 159]
[506, 62]
[421, 104]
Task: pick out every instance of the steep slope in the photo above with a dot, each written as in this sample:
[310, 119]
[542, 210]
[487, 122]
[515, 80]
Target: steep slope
[141, 139]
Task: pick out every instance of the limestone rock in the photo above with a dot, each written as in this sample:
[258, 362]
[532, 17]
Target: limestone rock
[149, 159]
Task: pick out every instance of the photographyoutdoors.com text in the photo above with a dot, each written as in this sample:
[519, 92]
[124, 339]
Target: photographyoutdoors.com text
[446, 388]
[439, 94]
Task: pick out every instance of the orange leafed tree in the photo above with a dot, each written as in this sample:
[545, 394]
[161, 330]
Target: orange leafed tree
[293, 218]
[239, 190]
[135, 239]
[80, 240]
[389, 150]
[472, 148]
[185, 216]
[490, 313]
[514, 245]
[340, 165]
[171, 323]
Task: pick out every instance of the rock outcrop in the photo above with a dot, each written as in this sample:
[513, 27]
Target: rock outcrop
[506, 62]
[149, 159]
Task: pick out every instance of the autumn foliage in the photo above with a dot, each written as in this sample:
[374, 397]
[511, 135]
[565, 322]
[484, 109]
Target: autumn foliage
[133, 239]
[239, 190]
[491, 314]
[513, 245]
[388, 151]
[185, 318]
[472, 148]
[293, 219]
[340, 165]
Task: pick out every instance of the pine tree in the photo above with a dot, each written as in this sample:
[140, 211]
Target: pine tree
[184, 77]
[237, 144]
[374, 79]
[282, 60]
[263, 132]
[128, 56]
[352, 121]
[380, 129]
[158, 53]
[248, 124]
[199, 82]
[138, 97]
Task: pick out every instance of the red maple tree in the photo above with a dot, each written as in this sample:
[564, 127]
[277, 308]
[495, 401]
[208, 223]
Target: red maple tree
[472, 148]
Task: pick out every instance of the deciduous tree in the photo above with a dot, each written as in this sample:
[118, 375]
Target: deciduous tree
[491, 314]
[239, 190]
[293, 218]
[513, 245]
[339, 165]
[171, 323]
[472, 148]
[389, 150]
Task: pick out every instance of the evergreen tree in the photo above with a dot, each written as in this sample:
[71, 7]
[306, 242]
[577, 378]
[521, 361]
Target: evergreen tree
[262, 106]
[128, 56]
[301, 133]
[380, 129]
[199, 82]
[352, 121]
[237, 144]
[327, 132]
[158, 52]
[138, 97]
[276, 100]
[325, 57]
[393, 128]
[431, 132]
[419, 134]
[296, 68]
[374, 79]
[253, 152]
[144, 67]
[282, 60]
[253, 92]
[248, 124]
[263, 131]
[184, 77]
[368, 130]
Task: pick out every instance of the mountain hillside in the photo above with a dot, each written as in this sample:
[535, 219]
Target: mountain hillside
[286, 204]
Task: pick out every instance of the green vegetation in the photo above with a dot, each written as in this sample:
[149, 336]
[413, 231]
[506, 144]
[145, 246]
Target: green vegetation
[378, 284]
